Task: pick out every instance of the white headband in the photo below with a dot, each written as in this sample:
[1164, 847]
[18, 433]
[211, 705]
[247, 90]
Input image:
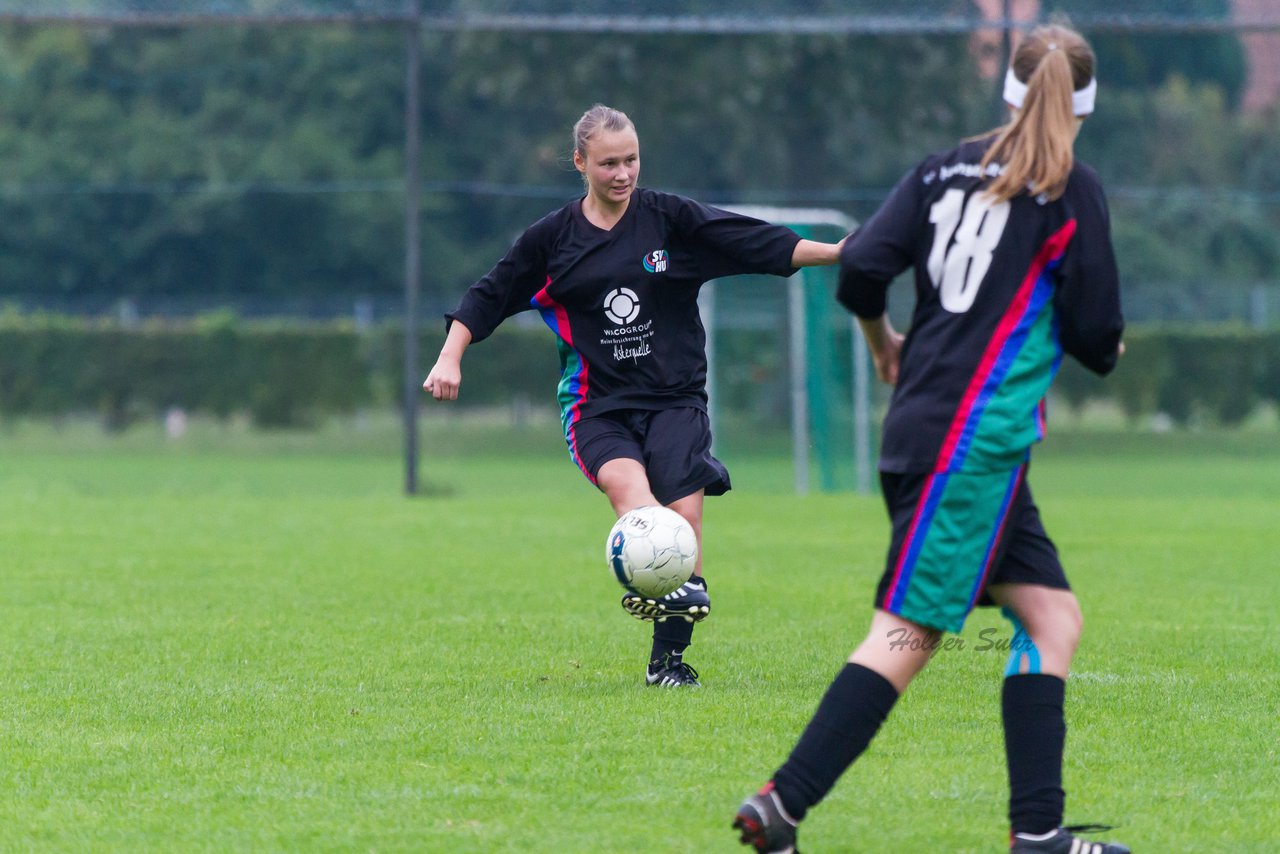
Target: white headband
[1015, 92]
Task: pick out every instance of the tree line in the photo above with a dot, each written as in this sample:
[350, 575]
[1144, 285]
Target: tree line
[230, 161]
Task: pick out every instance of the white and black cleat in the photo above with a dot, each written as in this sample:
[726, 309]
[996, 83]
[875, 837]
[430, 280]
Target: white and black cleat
[1064, 841]
[689, 602]
[671, 674]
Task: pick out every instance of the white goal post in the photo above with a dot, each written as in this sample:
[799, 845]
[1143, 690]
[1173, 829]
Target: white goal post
[798, 366]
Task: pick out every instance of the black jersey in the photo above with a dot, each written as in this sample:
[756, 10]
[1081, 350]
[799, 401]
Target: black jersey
[1001, 292]
[623, 303]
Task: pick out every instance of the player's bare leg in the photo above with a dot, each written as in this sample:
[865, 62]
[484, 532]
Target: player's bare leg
[1052, 620]
[1047, 625]
[896, 648]
[690, 507]
[626, 484]
[678, 611]
[690, 601]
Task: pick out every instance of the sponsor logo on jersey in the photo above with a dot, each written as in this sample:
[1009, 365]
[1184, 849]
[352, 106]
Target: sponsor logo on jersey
[621, 305]
[963, 170]
[657, 261]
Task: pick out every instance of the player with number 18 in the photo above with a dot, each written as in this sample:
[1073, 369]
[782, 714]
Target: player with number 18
[1009, 239]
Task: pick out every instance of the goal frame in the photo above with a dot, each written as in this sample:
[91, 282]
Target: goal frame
[803, 220]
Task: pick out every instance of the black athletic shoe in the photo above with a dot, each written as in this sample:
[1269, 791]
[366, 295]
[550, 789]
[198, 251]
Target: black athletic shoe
[762, 822]
[1064, 841]
[669, 674]
[688, 602]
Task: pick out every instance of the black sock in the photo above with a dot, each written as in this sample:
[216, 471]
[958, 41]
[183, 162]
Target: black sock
[848, 717]
[1035, 733]
[670, 639]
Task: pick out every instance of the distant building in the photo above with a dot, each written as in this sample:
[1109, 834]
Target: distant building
[987, 46]
[1262, 54]
[1262, 48]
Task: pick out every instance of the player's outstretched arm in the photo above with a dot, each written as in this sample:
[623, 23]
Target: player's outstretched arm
[885, 344]
[446, 376]
[811, 253]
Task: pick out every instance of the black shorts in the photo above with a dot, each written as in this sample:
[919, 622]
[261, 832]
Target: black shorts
[673, 445]
[955, 535]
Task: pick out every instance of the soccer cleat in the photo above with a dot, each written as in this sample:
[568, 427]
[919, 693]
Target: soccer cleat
[671, 674]
[1063, 841]
[762, 822]
[689, 602]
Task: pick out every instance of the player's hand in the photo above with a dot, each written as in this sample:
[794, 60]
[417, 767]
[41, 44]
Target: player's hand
[885, 344]
[888, 357]
[443, 381]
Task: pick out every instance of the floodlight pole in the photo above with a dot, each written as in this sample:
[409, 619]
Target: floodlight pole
[412, 239]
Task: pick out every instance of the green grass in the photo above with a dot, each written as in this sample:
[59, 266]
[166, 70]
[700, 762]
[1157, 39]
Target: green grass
[256, 643]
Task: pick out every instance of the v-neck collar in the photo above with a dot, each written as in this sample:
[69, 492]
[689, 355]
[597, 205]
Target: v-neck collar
[631, 204]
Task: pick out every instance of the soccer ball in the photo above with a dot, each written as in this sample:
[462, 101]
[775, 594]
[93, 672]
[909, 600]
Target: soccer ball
[652, 550]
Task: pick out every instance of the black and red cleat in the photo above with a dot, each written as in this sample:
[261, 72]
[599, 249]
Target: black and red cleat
[762, 822]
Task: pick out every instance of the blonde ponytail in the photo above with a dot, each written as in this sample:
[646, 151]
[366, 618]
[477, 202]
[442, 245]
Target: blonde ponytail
[1035, 148]
[598, 118]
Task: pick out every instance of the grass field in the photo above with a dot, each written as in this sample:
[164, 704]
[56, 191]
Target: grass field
[256, 643]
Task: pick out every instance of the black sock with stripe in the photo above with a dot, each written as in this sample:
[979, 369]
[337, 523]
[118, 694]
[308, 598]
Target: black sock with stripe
[1035, 735]
[848, 717]
[670, 639]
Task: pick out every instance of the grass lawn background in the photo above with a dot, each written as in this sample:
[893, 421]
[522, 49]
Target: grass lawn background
[253, 642]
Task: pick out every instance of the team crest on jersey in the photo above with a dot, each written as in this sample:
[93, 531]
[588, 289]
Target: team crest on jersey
[622, 305]
[657, 261]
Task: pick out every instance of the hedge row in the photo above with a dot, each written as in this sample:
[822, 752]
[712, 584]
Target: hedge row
[283, 374]
[288, 373]
[1219, 373]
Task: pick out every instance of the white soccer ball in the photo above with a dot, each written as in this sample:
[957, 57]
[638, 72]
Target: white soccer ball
[652, 550]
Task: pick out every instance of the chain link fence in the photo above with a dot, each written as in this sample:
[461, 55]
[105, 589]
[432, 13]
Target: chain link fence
[166, 156]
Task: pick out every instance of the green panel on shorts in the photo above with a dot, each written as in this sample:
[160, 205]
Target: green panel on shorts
[948, 551]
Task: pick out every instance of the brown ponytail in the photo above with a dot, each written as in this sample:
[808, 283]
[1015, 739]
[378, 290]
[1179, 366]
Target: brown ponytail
[1035, 148]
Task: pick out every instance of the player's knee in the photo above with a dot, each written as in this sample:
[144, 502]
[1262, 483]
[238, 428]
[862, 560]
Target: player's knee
[1059, 630]
[625, 484]
[1058, 617]
[1070, 621]
[1048, 639]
